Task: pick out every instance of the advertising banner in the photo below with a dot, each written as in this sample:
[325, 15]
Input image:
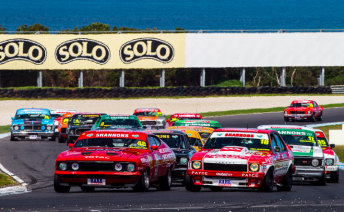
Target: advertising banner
[81, 52]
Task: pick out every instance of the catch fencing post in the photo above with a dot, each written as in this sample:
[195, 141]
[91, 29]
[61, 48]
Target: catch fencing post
[322, 76]
[39, 79]
[282, 78]
[121, 79]
[81, 79]
[202, 77]
[162, 78]
[242, 76]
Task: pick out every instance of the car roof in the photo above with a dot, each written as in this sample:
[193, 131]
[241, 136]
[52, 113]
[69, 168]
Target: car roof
[186, 114]
[86, 113]
[165, 131]
[302, 101]
[118, 115]
[34, 109]
[296, 127]
[113, 132]
[192, 127]
[68, 114]
[54, 111]
[188, 131]
[147, 109]
[246, 130]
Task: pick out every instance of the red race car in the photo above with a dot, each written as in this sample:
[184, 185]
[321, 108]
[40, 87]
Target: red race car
[115, 159]
[183, 116]
[241, 158]
[303, 109]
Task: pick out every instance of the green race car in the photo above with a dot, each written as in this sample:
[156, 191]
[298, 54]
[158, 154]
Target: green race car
[198, 123]
[117, 122]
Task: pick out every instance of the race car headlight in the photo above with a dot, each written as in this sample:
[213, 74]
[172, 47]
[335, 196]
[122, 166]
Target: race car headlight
[71, 132]
[49, 128]
[329, 162]
[63, 166]
[285, 112]
[75, 166]
[118, 167]
[22, 127]
[183, 161]
[196, 164]
[130, 167]
[315, 162]
[254, 167]
[308, 112]
[15, 127]
[43, 128]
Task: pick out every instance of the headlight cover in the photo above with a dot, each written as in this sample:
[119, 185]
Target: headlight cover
[63, 166]
[329, 162]
[75, 166]
[196, 164]
[71, 132]
[315, 162]
[285, 112]
[183, 161]
[118, 167]
[16, 127]
[49, 128]
[42, 127]
[308, 112]
[254, 167]
[130, 167]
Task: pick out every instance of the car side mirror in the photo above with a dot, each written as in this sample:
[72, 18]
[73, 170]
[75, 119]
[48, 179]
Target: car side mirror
[332, 146]
[277, 149]
[154, 147]
[70, 145]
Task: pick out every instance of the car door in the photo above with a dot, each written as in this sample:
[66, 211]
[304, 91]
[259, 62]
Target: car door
[156, 155]
[283, 159]
[275, 155]
[316, 109]
[162, 165]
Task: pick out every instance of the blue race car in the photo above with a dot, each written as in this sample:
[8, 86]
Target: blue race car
[33, 124]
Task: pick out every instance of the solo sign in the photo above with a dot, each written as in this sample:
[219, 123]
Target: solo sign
[82, 49]
[22, 49]
[146, 48]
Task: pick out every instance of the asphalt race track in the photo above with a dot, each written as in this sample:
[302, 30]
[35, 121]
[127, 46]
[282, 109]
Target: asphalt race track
[33, 161]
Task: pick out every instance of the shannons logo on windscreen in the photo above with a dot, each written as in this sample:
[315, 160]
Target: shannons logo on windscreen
[22, 49]
[82, 49]
[146, 48]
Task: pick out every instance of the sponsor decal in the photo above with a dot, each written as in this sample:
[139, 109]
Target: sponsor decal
[199, 173]
[82, 49]
[146, 48]
[144, 160]
[90, 115]
[168, 156]
[135, 136]
[89, 135]
[22, 49]
[224, 174]
[226, 183]
[249, 175]
[97, 157]
[163, 150]
[163, 136]
[110, 135]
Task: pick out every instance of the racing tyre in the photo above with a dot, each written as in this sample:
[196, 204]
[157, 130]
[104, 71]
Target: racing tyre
[322, 180]
[268, 182]
[53, 138]
[58, 188]
[166, 182]
[143, 184]
[189, 186]
[12, 138]
[312, 119]
[334, 177]
[215, 188]
[87, 189]
[286, 119]
[61, 139]
[287, 182]
[320, 117]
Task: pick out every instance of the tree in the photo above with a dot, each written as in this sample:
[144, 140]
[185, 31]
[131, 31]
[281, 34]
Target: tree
[33, 28]
[94, 27]
[2, 28]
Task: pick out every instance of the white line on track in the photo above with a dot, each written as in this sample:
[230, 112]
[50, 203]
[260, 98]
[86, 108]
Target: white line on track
[13, 189]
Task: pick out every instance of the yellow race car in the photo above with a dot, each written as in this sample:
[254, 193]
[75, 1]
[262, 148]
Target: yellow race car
[203, 131]
[195, 138]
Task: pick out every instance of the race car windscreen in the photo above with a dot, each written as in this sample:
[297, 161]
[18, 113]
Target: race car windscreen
[188, 118]
[195, 141]
[172, 140]
[204, 135]
[255, 142]
[57, 115]
[88, 119]
[146, 113]
[298, 137]
[65, 120]
[32, 117]
[112, 143]
[119, 123]
[300, 105]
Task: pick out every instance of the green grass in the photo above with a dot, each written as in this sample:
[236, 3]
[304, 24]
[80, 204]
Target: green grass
[5, 129]
[257, 110]
[338, 149]
[5, 181]
[229, 83]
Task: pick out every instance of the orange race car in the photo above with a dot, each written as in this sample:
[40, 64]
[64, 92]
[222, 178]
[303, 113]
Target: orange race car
[62, 127]
[151, 118]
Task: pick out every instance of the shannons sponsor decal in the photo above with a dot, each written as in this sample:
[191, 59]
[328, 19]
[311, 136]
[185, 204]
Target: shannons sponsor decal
[110, 135]
[146, 48]
[22, 49]
[82, 49]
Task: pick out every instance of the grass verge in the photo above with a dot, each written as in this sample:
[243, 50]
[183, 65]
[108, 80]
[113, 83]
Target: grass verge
[5, 129]
[6, 180]
[338, 149]
[257, 110]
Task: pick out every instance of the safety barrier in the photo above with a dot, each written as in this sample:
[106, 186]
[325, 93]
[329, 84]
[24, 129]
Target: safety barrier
[158, 92]
[337, 89]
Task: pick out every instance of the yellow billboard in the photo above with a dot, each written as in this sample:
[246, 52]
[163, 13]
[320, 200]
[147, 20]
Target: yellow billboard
[82, 52]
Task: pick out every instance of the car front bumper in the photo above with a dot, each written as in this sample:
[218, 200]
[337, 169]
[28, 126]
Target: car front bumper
[27, 134]
[178, 174]
[298, 116]
[112, 179]
[308, 174]
[232, 179]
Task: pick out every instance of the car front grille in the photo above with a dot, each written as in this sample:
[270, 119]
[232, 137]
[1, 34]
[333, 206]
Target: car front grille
[305, 162]
[148, 122]
[297, 112]
[63, 130]
[225, 167]
[95, 167]
[32, 127]
[79, 131]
